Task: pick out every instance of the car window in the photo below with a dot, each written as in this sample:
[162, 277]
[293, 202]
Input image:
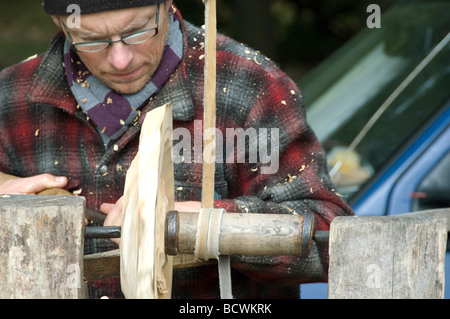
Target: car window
[434, 190]
[345, 92]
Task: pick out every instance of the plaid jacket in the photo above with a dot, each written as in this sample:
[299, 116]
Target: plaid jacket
[41, 130]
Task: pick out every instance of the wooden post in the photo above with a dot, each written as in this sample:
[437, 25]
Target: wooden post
[41, 247]
[387, 257]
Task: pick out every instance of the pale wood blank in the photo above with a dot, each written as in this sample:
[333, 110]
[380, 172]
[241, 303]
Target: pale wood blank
[145, 269]
[387, 257]
[41, 247]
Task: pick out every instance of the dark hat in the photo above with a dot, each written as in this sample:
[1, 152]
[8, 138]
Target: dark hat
[61, 7]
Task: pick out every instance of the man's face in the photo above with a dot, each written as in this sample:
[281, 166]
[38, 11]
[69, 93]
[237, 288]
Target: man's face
[124, 68]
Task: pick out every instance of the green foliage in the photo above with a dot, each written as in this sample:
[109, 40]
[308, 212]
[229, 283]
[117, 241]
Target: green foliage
[297, 34]
[25, 30]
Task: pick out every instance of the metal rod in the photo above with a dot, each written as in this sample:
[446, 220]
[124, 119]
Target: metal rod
[321, 236]
[95, 216]
[102, 232]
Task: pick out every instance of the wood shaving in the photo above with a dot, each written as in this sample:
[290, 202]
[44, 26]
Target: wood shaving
[109, 100]
[256, 60]
[85, 85]
[135, 121]
[36, 133]
[77, 191]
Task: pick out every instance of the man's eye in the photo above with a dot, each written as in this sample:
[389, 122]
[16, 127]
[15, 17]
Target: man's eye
[132, 32]
[88, 39]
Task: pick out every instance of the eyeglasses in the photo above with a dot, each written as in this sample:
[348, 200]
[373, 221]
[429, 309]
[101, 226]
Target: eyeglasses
[133, 38]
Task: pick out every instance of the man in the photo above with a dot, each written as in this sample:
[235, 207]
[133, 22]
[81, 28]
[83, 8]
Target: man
[71, 118]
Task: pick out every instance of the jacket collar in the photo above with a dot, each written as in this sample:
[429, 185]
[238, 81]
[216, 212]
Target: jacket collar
[49, 85]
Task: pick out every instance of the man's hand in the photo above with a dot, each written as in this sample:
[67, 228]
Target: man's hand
[189, 206]
[114, 215]
[114, 212]
[32, 185]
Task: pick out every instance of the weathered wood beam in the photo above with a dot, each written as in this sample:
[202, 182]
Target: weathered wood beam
[41, 247]
[387, 257]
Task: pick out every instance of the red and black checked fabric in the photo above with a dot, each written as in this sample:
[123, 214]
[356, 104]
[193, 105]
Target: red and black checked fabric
[43, 131]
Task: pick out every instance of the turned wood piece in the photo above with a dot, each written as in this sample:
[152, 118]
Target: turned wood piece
[243, 234]
[145, 269]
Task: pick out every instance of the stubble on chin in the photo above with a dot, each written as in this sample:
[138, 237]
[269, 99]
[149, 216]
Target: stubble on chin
[130, 87]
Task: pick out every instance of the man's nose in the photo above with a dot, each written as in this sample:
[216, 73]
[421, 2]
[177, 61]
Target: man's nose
[119, 55]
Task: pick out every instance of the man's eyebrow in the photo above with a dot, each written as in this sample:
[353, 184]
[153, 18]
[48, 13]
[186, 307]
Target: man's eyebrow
[88, 34]
[132, 26]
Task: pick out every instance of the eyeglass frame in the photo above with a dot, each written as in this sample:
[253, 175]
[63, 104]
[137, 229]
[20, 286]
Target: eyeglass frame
[110, 42]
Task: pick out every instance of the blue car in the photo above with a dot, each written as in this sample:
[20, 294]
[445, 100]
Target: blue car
[381, 108]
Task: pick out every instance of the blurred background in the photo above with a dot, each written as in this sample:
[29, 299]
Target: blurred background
[297, 34]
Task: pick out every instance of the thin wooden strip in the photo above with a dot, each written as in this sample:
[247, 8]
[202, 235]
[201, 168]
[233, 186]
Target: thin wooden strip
[209, 117]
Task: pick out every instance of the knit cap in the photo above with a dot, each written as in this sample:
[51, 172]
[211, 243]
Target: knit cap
[63, 7]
